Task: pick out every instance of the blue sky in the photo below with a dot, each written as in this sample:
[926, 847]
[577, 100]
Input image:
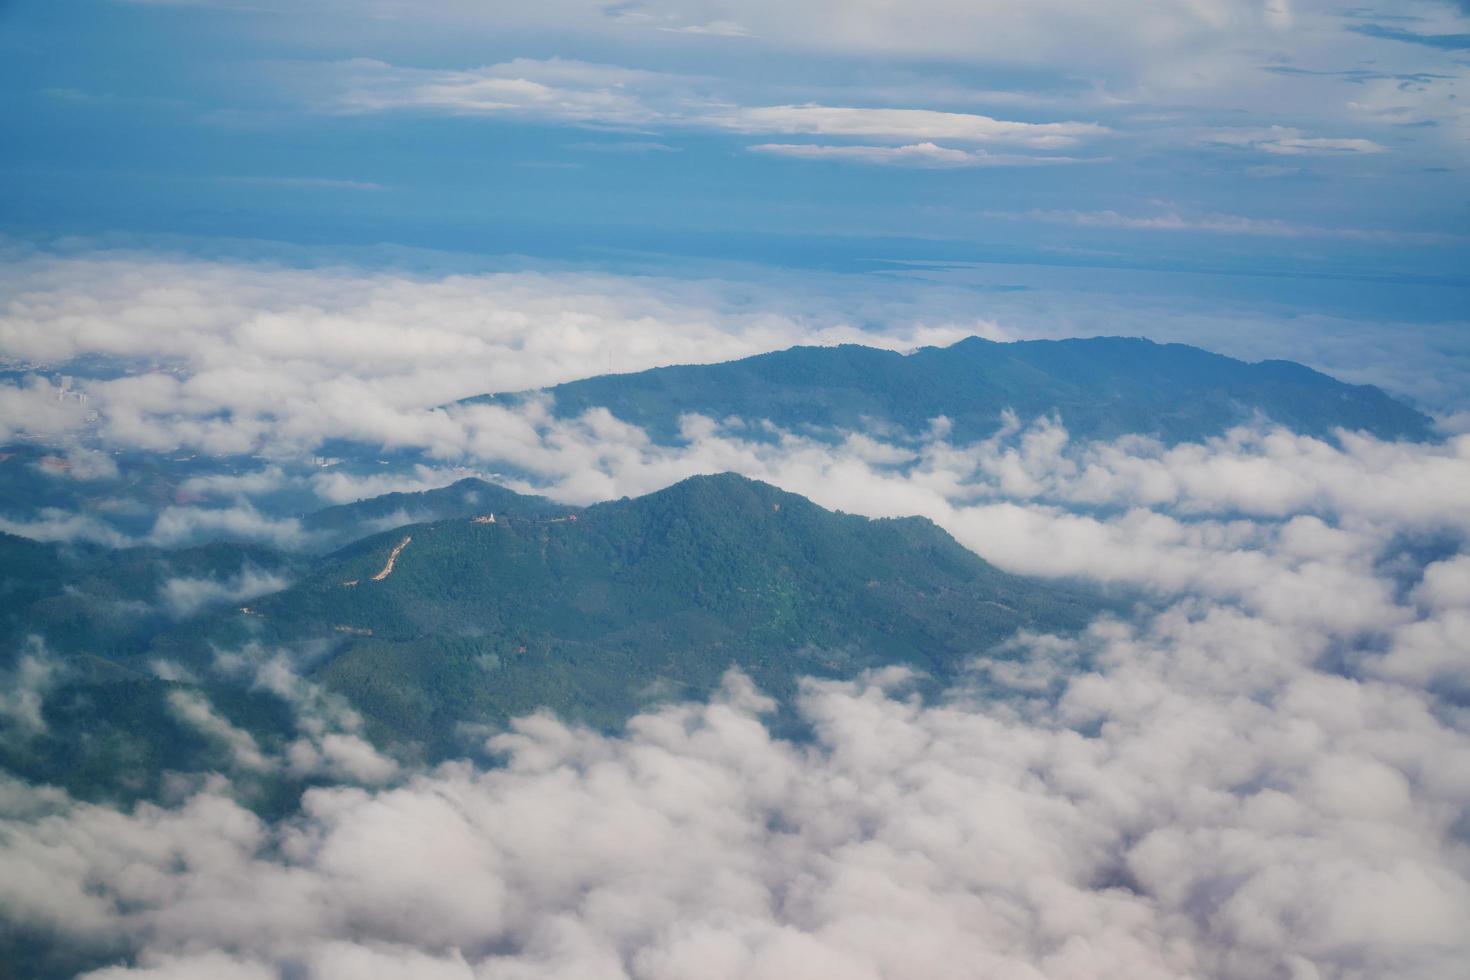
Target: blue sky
[1292, 139]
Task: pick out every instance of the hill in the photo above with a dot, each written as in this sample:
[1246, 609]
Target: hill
[425, 629]
[1102, 388]
[597, 613]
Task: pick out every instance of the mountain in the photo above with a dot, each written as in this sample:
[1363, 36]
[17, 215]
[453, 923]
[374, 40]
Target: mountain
[425, 629]
[1101, 387]
[595, 613]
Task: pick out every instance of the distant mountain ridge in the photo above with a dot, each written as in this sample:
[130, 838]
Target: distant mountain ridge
[1101, 387]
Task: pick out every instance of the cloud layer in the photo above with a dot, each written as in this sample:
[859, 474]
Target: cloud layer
[1203, 800]
[1260, 775]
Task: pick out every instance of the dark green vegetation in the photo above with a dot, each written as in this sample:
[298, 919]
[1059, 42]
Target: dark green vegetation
[81, 627]
[1102, 388]
[640, 599]
[594, 614]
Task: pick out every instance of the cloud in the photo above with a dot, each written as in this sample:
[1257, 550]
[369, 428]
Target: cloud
[55, 524]
[1283, 524]
[306, 183]
[1194, 62]
[556, 89]
[330, 741]
[1219, 224]
[1284, 141]
[625, 146]
[1261, 775]
[184, 597]
[237, 358]
[905, 124]
[607, 95]
[922, 155]
[1444, 42]
[1203, 800]
[24, 686]
[193, 708]
[715, 28]
[928, 29]
[176, 526]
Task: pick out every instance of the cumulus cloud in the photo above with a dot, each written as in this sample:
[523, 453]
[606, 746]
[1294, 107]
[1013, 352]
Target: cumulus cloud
[1261, 776]
[1201, 800]
[239, 358]
[235, 357]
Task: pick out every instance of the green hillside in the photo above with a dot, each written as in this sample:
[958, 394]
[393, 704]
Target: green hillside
[638, 599]
[594, 614]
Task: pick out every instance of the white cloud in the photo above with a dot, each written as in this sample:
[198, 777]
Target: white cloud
[715, 28]
[607, 95]
[24, 686]
[57, 524]
[184, 597]
[904, 124]
[1264, 777]
[176, 526]
[1285, 141]
[238, 358]
[1202, 801]
[194, 708]
[1219, 224]
[923, 155]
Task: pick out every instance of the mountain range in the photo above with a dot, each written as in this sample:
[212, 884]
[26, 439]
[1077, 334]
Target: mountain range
[1101, 388]
[453, 610]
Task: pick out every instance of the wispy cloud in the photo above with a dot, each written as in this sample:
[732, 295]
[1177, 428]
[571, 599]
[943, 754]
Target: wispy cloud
[902, 124]
[920, 155]
[1284, 141]
[605, 95]
[636, 147]
[1219, 224]
[715, 28]
[306, 183]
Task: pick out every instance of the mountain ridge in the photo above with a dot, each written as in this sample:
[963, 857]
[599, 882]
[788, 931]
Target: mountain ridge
[1102, 387]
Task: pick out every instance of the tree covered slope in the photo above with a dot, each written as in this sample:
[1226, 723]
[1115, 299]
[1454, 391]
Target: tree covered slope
[434, 630]
[595, 614]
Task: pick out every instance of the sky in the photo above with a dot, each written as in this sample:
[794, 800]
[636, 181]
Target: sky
[1295, 139]
[249, 228]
